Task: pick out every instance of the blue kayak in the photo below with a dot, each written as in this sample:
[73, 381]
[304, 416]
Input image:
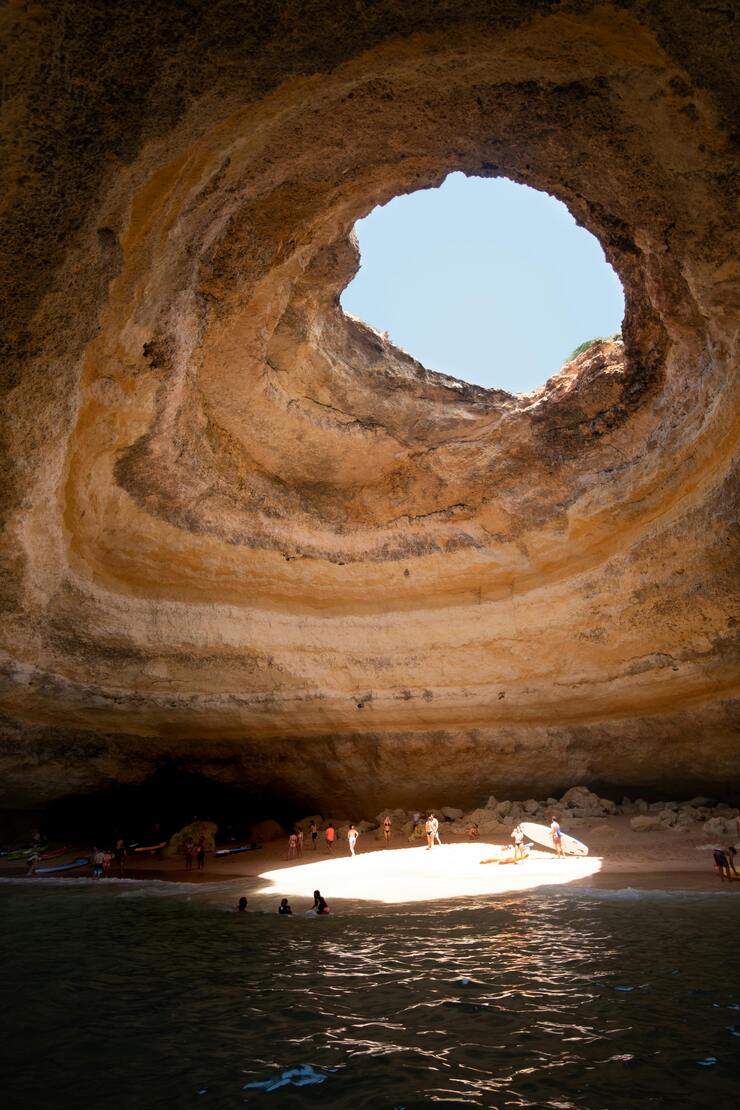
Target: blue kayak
[81, 861]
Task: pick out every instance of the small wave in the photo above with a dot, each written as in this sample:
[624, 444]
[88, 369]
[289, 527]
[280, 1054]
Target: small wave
[126, 888]
[627, 893]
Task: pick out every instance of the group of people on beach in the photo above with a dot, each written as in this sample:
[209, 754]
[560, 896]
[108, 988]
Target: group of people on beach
[197, 852]
[103, 861]
[431, 834]
[296, 838]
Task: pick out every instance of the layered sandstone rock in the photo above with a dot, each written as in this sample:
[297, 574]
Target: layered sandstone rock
[241, 530]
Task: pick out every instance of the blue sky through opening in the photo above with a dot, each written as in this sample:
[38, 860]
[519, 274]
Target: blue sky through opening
[484, 279]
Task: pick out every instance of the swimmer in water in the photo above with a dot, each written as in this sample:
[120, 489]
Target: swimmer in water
[319, 903]
[242, 905]
[284, 906]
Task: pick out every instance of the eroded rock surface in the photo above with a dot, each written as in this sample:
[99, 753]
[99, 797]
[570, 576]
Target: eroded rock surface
[240, 529]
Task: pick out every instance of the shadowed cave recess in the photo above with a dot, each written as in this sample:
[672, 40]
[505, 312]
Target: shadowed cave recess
[245, 537]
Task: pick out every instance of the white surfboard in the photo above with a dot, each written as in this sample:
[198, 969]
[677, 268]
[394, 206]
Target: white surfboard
[541, 835]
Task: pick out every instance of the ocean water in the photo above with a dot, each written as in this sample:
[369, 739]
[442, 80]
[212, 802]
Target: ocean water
[144, 995]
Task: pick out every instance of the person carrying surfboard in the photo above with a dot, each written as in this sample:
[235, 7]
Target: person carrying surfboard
[557, 838]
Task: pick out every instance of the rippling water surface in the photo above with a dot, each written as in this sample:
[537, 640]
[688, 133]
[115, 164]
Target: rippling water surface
[144, 996]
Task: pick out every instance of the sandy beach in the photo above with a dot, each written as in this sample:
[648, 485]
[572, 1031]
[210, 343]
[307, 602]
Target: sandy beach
[404, 874]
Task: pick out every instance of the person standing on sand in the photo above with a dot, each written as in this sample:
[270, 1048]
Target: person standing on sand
[352, 835]
[292, 845]
[387, 824]
[97, 862]
[314, 834]
[557, 838]
[518, 837]
[435, 829]
[201, 853]
[189, 853]
[330, 835]
[107, 861]
[299, 841]
[428, 833]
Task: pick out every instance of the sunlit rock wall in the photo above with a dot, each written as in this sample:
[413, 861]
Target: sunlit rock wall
[242, 531]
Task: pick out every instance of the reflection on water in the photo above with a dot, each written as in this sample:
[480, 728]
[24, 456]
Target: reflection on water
[128, 999]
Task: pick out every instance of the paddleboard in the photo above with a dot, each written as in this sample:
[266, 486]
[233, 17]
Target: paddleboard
[234, 851]
[540, 834]
[513, 859]
[152, 847]
[506, 855]
[83, 861]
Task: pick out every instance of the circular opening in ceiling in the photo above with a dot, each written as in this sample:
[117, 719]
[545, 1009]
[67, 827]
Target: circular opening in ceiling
[484, 279]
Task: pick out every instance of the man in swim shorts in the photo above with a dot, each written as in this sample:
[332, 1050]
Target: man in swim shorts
[314, 833]
[352, 839]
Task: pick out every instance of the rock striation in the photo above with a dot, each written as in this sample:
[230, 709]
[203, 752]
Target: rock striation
[240, 530]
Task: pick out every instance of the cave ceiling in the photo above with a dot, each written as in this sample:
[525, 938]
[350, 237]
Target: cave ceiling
[241, 530]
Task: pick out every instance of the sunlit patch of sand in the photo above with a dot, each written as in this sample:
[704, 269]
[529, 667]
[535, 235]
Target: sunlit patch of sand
[418, 875]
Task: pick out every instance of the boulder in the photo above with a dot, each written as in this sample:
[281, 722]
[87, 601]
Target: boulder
[453, 814]
[397, 816]
[531, 806]
[503, 809]
[491, 803]
[194, 831]
[667, 817]
[306, 821]
[643, 823]
[719, 827]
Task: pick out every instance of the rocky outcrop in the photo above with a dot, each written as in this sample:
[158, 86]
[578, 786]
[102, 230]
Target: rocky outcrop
[242, 532]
